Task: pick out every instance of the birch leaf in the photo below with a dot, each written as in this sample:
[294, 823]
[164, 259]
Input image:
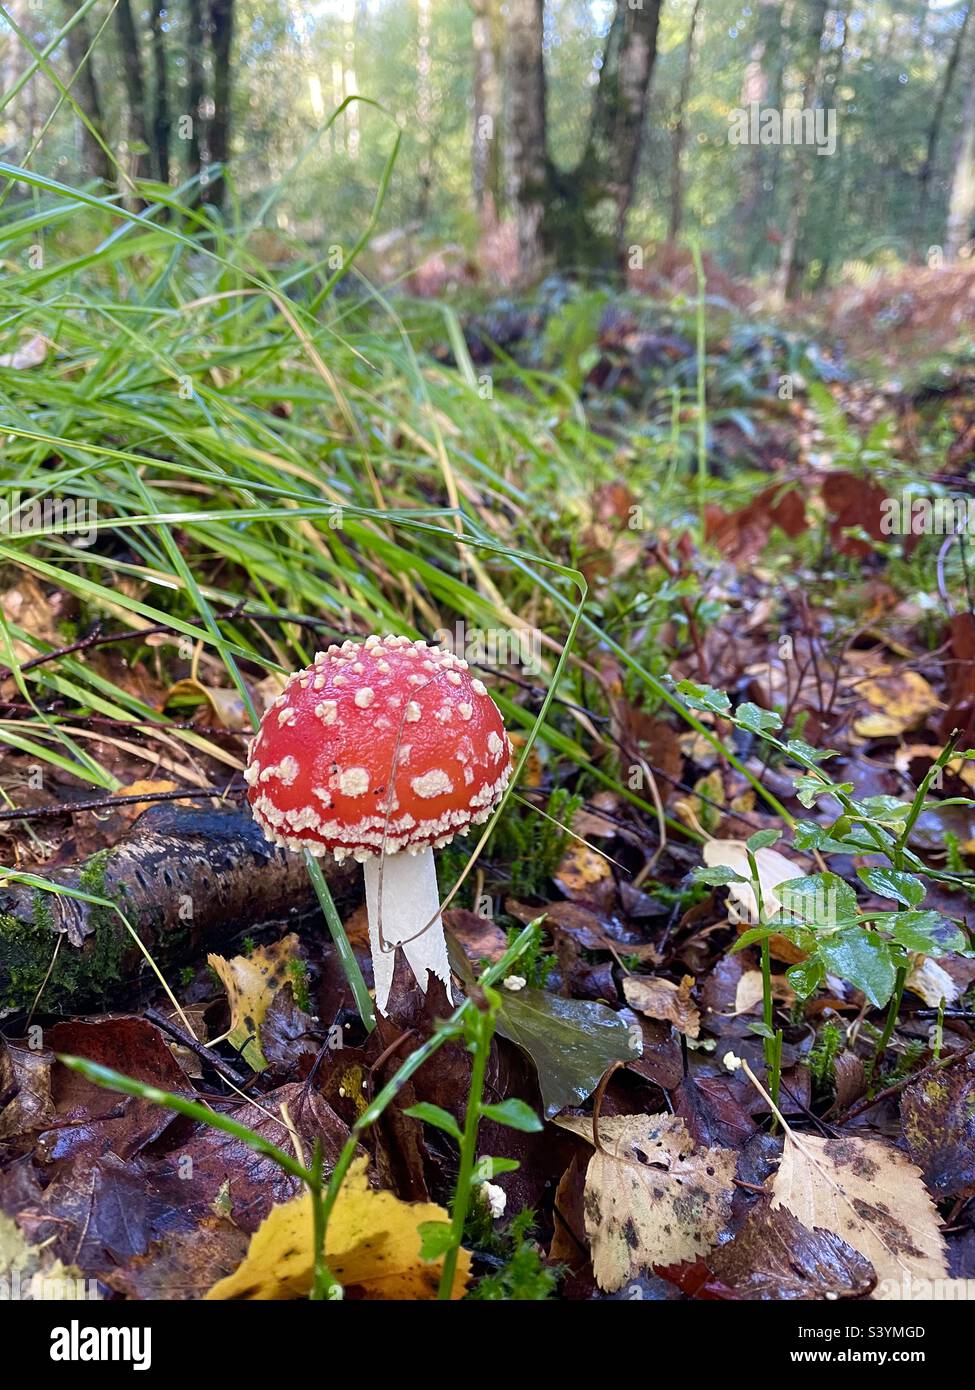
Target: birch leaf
[652, 1196]
[251, 983]
[870, 1195]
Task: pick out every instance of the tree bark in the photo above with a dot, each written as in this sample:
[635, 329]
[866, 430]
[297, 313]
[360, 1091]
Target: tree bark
[222, 38]
[196, 36]
[612, 156]
[135, 87]
[937, 119]
[680, 133]
[161, 122]
[787, 273]
[95, 162]
[485, 161]
[528, 170]
[961, 206]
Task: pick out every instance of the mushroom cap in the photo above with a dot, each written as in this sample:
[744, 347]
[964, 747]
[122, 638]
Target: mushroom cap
[377, 747]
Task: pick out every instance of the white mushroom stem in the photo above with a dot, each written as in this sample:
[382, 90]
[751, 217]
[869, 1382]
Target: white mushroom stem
[408, 900]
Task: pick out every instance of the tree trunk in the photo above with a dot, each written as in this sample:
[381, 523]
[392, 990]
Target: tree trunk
[937, 119]
[135, 87]
[196, 35]
[222, 38]
[612, 156]
[787, 273]
[762, 84]
[961, 207]
[528, 169]
[680, 133]
[95, 162]
[424, 110]
[485, 161]
[161, 122]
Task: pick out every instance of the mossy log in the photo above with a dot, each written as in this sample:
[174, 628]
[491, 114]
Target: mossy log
[183, 879]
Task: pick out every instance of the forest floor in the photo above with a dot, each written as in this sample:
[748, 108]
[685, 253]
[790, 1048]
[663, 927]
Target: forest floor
[742, 1090]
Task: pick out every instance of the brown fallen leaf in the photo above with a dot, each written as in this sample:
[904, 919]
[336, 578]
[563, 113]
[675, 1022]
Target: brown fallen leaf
[870, 1195]
[659, 998]
[225, 704]
[372, 1245]
[773, 1256]
[251, 983]
[652, 1197]
[584, 875]
[938, 1116]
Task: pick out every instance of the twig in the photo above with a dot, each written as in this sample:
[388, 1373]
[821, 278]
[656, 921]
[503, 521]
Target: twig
[71, 808]
[193, 1045]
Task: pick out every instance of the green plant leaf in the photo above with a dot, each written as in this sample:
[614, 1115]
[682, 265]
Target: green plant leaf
[717, 875]
[515, 1114]
[756, 719]
[927, 932]
[704, 697]
[435, 1115]
[864, 960]
[806, 976]
[762, 839]
[436, 1239]
[892, 883]
[820, 900]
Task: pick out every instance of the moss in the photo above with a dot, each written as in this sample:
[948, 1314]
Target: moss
[29, 950]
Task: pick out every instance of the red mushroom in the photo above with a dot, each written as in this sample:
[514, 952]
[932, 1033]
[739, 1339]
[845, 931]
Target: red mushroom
[385, 751]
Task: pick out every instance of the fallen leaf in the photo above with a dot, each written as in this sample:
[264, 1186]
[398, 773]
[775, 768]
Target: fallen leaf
[29, 1272]
[938, 1116]
[930, 982]
[870, 1195]
[773, 869]
[372, 1245]
[583, 874]
[652, 1198]
[898, 701]
[32, 352]
[226, 705]
[659, 998]
[773, 1256]
[251, 983]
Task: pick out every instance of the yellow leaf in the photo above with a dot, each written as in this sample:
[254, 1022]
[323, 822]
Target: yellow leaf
[372, 1245]
[251, 983]
[897, 702]
[652, 1197]
[581, 868]
[868, 1193]
[226, 705]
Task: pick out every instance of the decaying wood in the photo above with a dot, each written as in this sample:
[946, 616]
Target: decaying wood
[181, 877]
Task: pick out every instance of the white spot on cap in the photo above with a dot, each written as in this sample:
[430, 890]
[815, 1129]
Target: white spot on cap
[412, 712]
[465, 710]
[354, 781]
[364, 697]
[327, 711]
[432, 783]
[478, 687]
[495, 746]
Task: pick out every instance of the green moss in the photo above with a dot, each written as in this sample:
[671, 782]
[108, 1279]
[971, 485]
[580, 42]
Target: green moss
[30, 957]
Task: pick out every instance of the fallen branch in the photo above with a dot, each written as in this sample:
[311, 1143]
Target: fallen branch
[183, 878]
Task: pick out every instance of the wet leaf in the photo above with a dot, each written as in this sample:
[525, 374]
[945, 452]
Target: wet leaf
[571, 1041]
[661, 999]
[373, 1245]
[899, 701]
[251, 983]
[864, 960]
[938, 1116]
[773, 1256]
[869, 1194]
[652, 1197]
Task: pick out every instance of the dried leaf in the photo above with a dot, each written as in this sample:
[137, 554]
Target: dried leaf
[869, 1194]
[372, 1244]
[898, 701]
[659, 998]
[652, 1198]
[251, 983]
[773, 869]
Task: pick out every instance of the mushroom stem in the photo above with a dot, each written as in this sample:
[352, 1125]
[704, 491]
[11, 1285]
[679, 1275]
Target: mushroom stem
[408, 900]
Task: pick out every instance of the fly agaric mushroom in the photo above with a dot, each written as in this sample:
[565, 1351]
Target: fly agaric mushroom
[384, 751]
